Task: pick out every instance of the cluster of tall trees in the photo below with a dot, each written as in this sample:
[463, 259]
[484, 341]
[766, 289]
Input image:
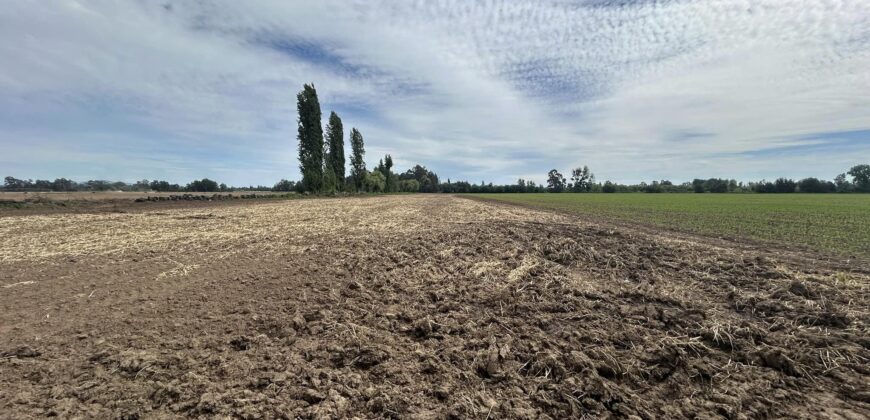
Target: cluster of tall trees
[205, 185]
[582, 180]
[322, 158]
[322, 163]
[419, 179]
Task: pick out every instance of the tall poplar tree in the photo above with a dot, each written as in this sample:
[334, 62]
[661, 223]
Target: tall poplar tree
[388, 174]
[310, 137]
[335, 141]
[357, 164]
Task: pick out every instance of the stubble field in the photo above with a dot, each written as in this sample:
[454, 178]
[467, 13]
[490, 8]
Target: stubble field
[415, 307]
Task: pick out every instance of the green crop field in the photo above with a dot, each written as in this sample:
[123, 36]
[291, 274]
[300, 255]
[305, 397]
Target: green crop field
[838, 223]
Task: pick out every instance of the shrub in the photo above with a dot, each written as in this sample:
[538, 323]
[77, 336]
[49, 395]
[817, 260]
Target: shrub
[203, 185]
[375, 181]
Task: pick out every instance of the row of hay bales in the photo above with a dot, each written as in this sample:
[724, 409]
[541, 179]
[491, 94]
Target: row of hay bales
[213, 197]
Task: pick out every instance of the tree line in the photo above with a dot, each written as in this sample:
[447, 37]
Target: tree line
[421, 179]
[13, 184]
[583, 180]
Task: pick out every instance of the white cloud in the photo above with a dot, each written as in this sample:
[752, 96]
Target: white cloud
[486, 90]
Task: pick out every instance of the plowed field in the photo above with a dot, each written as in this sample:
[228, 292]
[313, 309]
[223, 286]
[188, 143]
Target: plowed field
[415, 307]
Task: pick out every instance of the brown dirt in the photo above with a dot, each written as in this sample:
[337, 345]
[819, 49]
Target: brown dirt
[16, 204]
[415, 307]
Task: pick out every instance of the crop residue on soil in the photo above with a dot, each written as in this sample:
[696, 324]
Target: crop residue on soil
[417, 307]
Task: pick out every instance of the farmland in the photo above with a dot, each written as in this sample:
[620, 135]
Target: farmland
[833, 223]
[416, 306]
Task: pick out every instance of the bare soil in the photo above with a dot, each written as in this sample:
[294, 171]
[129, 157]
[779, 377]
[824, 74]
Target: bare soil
[415, 307]
[15, 204]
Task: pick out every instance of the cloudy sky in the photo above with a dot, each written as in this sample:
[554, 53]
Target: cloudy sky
[477, 90]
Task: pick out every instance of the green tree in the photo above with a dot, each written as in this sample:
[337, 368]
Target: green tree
[15, 184]
[409, 185]
[164, 186]
[63, 184]
[284, 186]
[310, 136]
[815, 185]
[582, 179]
[717, 185]
[141, 185]
[357, 163]
[784, 185]
[98, 185]
[860, 177]
[330, 183]
[203, 185]
[375, 181]
[42, 184]
[555, 181]
[428, 180]
[385, 166]
[335, 155]
[390, 179]
[842, 184]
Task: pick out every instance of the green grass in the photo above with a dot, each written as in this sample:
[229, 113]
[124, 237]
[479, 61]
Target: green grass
[837, 223]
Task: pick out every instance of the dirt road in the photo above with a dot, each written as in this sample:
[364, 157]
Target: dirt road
[413, 307]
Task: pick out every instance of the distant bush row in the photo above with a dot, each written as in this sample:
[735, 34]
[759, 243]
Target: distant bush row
[582, 180]
[66, 185]
[420, 179]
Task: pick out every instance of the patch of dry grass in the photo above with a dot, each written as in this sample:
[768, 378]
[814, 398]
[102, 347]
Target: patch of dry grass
[221, 231]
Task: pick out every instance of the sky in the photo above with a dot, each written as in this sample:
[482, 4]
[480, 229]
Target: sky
[474, 90]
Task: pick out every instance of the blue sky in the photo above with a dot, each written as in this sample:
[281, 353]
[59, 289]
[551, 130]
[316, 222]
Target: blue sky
[490, 90]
